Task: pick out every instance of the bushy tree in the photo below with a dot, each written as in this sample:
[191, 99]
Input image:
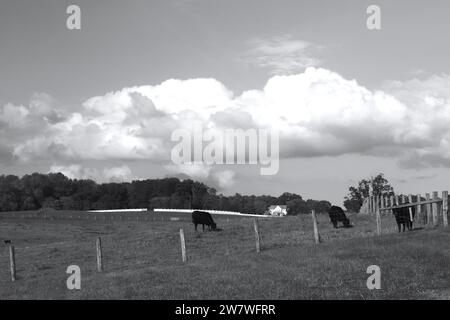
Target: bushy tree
[376, 186]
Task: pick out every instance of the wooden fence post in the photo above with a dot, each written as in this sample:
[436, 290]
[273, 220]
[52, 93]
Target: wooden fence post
[12, 262]
[372, 204]
[183, 245]
[419, 208]
[255, 224]
[392, 203]
[378, 200]
[99, 255]
[428, 208]
[377, 205]
[378, 219]
[445, 207]
[435, 208]
[316, 229]
[410, 201]
[410, 198]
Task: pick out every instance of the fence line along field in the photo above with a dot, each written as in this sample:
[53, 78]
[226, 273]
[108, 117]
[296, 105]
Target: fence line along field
[141, 257]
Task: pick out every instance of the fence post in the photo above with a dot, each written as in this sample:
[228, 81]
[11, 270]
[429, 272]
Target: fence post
[183, 245]
[435, 208]
[445, 207]
[375, 208]
[255, 224]
[99, 255]
[377, 199]
[428, 208]
[392, 203]
[419, 208]
[12, 262]
[316, 229]
[372, 201]
[378, 219]
[410, 198]
[372, 204]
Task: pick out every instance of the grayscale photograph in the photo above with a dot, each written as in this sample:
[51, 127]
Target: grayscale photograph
[237, 152]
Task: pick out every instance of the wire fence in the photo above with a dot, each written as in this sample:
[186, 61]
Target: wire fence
[140, 240]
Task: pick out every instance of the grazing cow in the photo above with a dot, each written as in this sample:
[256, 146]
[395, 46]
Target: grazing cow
[7, 242]
[404, 217]
[337, 215]
[203, 217]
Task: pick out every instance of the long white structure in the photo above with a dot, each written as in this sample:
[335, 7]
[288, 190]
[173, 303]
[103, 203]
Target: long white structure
[218, 212]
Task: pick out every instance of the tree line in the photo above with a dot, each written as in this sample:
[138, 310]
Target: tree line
[55, 190]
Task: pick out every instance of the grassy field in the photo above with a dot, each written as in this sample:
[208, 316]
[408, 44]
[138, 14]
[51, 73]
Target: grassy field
[142, 259]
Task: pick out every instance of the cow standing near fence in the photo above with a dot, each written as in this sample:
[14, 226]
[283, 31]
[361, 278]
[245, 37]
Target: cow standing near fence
[336, 215]
[203, 218]
[404, 218]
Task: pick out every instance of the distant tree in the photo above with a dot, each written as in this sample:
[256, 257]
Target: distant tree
[8, 202]
[211, 202]
[260, 205]
[160, 202]
[376, 186]
[29, 204]
[297, 206]
[318, 206]
[381, 186]
[287, 196]
[352, 205]
[51, 202]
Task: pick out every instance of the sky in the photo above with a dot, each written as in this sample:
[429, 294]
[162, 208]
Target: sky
[348, 102]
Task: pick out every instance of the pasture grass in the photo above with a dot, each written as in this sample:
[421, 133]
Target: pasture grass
[142, 259]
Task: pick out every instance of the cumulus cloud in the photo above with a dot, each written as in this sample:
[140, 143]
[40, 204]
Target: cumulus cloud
[225, 179]
[428, 115]
[316, 112]
[281, 55]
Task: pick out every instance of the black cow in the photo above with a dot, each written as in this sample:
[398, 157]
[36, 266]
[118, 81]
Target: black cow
[7, 242]
[203, 217]
[404, 217]
[337, 215]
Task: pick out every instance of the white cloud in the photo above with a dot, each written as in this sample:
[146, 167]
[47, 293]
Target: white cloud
[317, 113]
[225, 179]
[428, 116]
[281, 55]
